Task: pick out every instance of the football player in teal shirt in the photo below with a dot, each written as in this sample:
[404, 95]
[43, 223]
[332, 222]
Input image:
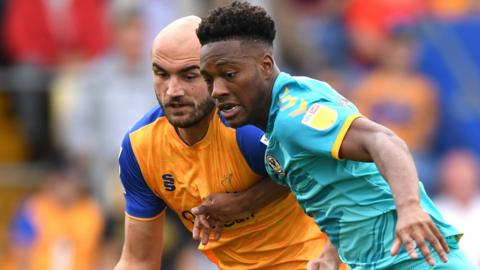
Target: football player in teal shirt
[355, 178]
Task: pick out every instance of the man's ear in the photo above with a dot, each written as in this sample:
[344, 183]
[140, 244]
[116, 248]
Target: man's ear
[267, 65]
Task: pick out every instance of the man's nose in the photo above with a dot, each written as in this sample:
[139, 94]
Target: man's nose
[219, 89]
[175, 87]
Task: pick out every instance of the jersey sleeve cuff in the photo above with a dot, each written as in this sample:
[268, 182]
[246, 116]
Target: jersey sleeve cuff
[148, 218]
[341, 135]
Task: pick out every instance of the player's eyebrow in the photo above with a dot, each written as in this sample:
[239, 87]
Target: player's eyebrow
[158, 67]
[183, 70]
[189, 68]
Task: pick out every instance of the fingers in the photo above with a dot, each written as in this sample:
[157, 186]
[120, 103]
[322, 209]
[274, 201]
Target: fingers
[199, 210]
[420, 235]
[409, 244]
[205, 235]
[403, 238]
[439, 243]
[428, 232]
[201, 229]
[204, 221]
[197, 228]
[397, 243]
[424, 249]
[218, 231]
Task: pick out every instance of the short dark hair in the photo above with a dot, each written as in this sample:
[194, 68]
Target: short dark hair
[239, 20]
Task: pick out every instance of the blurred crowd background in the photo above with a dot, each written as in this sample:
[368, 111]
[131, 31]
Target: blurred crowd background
[75, 75]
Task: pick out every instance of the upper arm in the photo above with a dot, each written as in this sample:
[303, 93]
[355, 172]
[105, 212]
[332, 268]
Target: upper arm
[140, 201]
[252, 148]
[143, 244]
[364, 137]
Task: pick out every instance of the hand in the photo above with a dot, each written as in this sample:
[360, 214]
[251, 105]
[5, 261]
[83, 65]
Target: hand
[203, 226]
[321, 263]
[216, 210]
[414, 226]
[222, 207]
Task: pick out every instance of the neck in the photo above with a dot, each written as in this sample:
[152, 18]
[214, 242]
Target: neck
[264, 109]
[195, 133]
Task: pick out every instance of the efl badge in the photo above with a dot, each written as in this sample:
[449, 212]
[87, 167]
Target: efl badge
[320, 117]
[275, 165]
[264, 140]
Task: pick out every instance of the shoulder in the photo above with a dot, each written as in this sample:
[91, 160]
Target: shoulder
[303, 100]
[244, 135]
[249, 141]
[136, 139]
[310, 114]
[148, 118]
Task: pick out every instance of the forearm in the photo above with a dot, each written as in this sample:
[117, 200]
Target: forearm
[395, 163]
[143, 244]
[261, 194]
[228, 206]
[133, 259]
[368, 141]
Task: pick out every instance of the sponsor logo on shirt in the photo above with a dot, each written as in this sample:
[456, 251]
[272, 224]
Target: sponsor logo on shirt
[320, 117]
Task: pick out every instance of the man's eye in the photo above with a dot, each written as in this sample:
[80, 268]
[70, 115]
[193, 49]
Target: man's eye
[160, 73]
[208, 81]
[231, 74]
[190, 77]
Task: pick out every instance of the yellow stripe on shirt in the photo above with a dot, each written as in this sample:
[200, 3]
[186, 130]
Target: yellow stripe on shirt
[341, 135]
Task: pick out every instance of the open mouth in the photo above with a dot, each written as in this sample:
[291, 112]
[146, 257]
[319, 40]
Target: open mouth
[227, 107]
[228, 110]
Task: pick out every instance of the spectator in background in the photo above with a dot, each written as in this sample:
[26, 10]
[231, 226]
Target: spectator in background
[396, 96]
[95, 109]
[459, 200]
[40, 38]
[59, 227]
[312, 28]
[449, 55]
[370, 22]
[317, 32]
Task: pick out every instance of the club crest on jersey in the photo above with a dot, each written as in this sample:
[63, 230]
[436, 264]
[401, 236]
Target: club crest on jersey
[320, 117]
[275, 165]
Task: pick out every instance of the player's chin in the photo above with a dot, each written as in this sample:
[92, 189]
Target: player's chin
[238, 120]
[183, 121]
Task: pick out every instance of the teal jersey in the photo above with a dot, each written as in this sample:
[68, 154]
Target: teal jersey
[349, 200]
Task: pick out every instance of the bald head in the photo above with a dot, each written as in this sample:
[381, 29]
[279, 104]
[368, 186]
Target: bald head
[178, 38]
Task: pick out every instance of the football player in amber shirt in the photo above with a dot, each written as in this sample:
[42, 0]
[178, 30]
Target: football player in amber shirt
[182, 151]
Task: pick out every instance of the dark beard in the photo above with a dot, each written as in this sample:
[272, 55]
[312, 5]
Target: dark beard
[201, 111]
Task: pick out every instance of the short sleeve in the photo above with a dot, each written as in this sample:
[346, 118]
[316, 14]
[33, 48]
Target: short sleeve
[252, 148]
[323, 127]
[140, 201]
